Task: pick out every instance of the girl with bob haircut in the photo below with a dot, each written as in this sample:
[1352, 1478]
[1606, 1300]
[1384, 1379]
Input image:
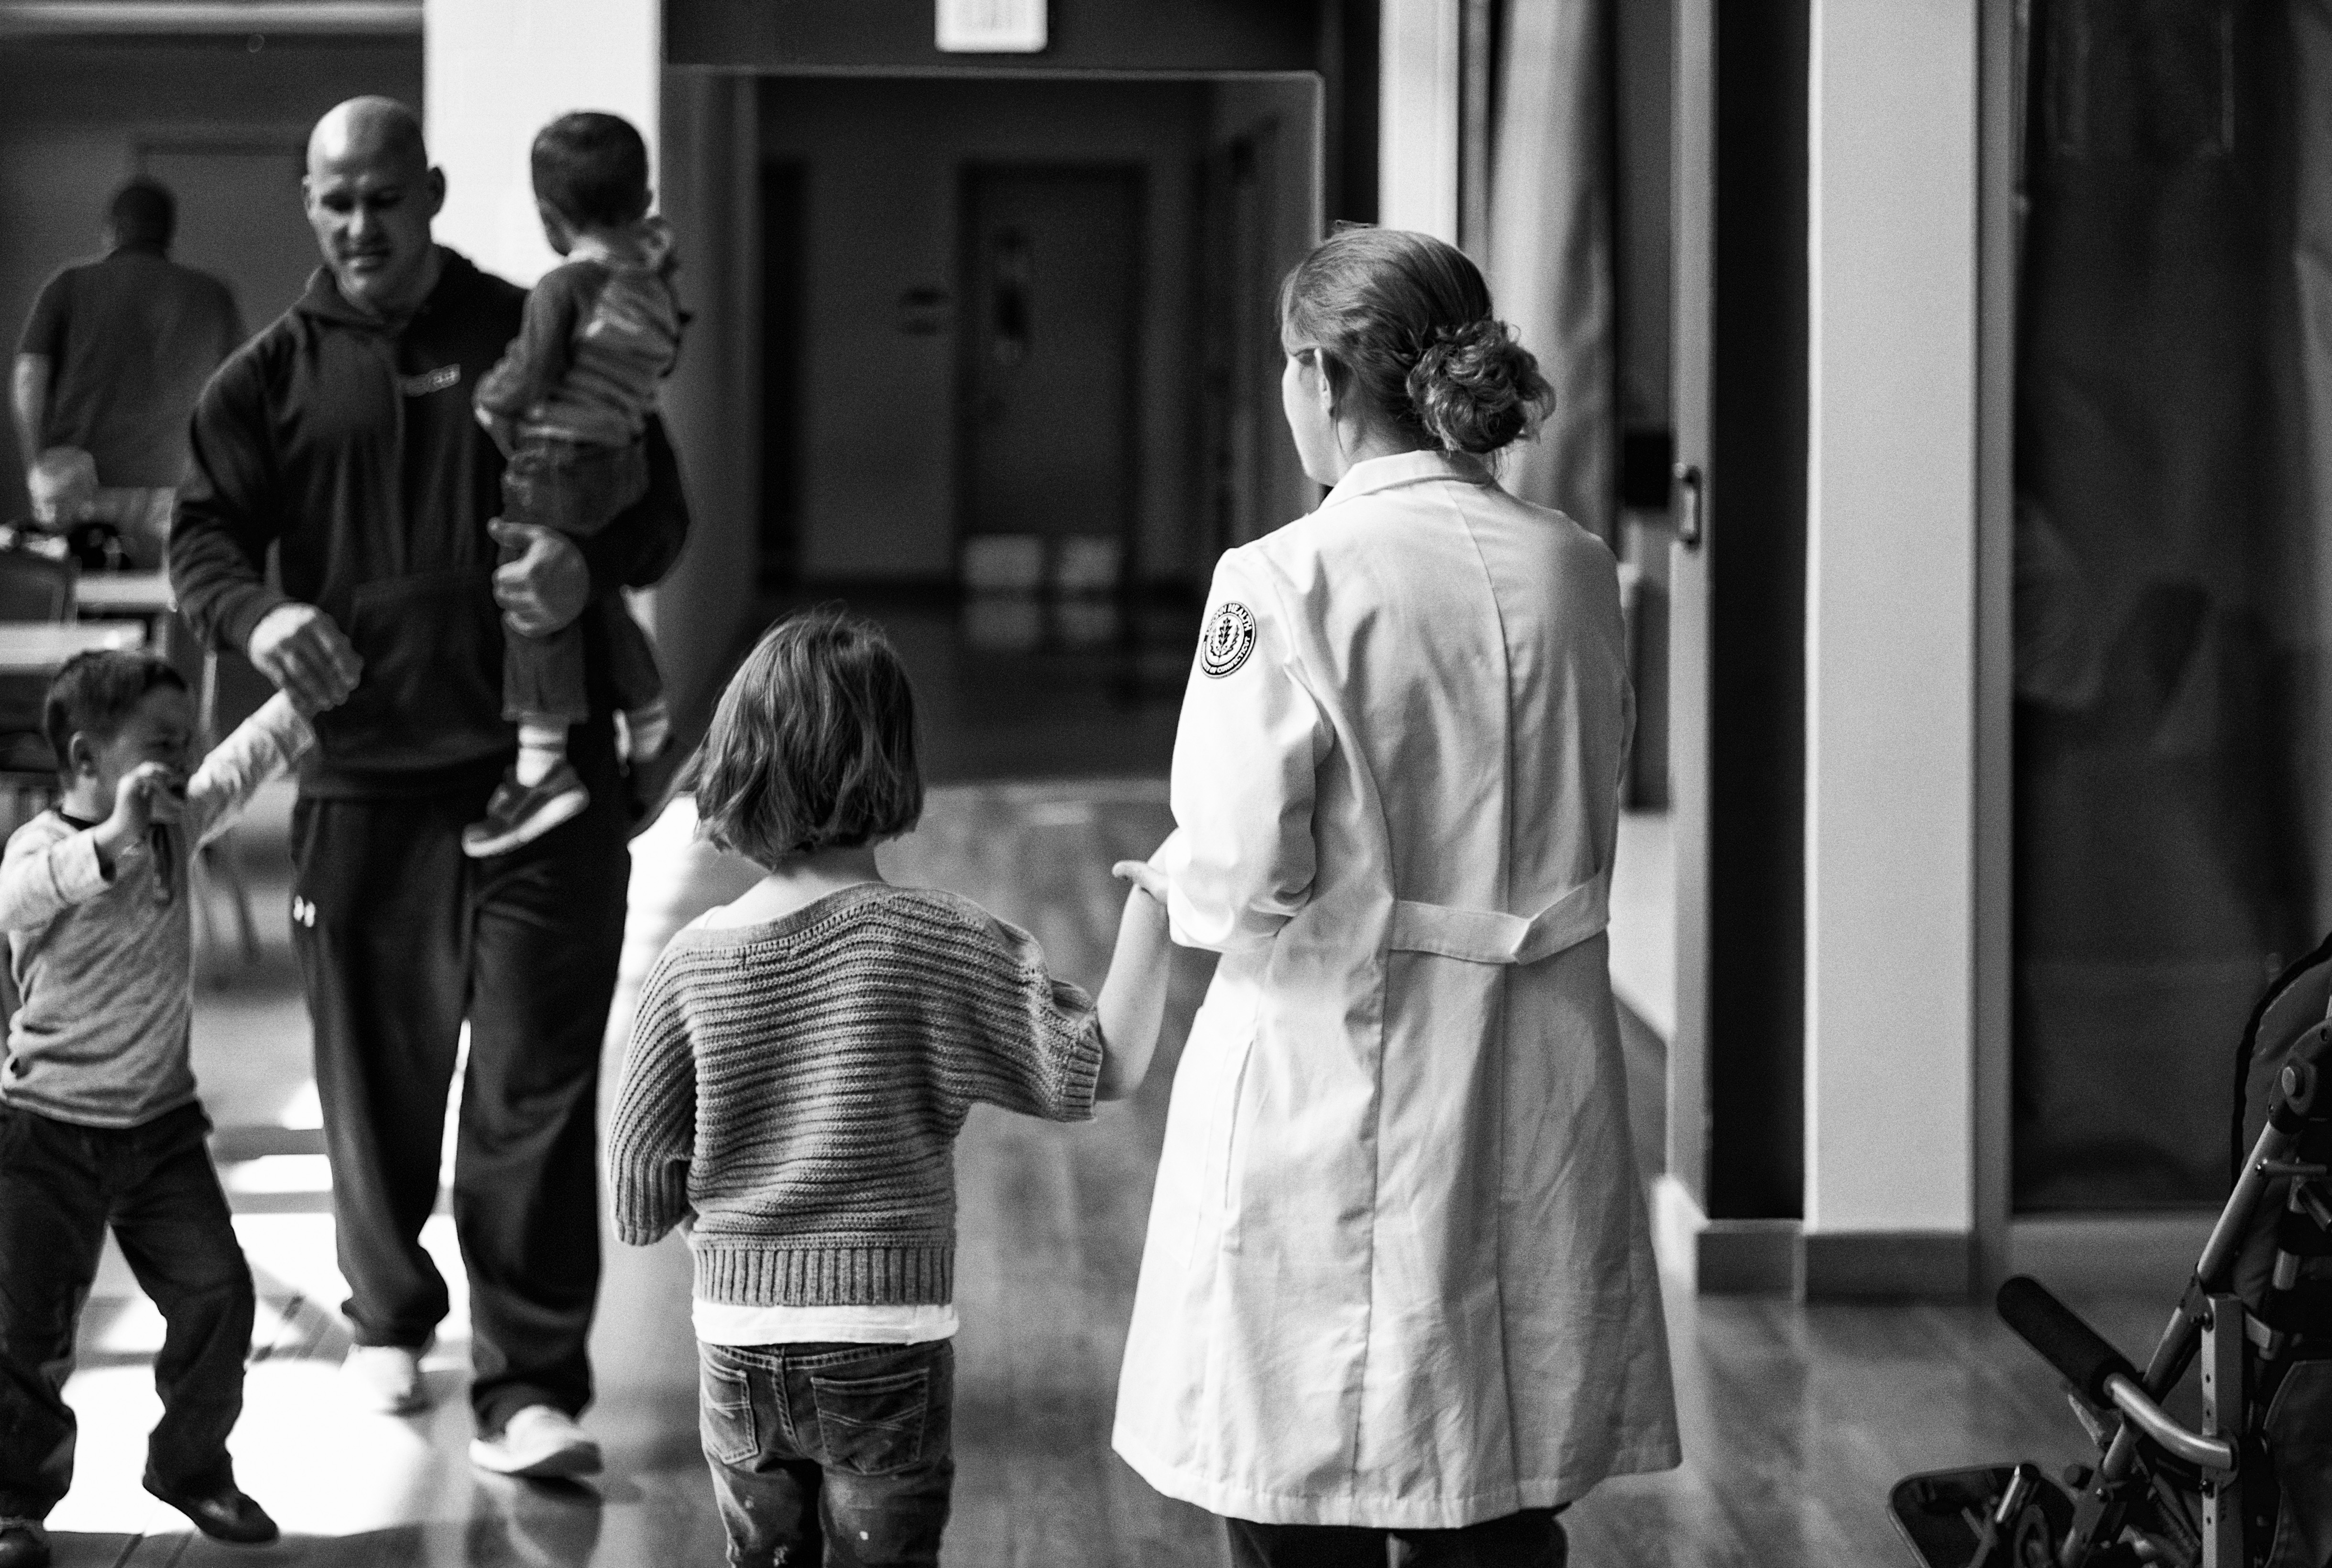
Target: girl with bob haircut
[1399, 1278]
[802, 1061]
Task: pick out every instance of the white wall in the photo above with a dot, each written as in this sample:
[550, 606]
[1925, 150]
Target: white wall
[497, 70]
[1420, 64]
[1891, 616]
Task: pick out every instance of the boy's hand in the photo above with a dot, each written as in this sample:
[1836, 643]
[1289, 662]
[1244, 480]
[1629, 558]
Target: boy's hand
[148, 793]
[1143, 875]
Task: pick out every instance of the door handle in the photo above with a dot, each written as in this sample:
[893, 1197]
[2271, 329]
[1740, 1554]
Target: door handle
[1694, 489]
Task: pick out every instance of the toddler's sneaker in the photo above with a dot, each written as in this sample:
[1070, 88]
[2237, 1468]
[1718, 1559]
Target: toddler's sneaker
[522, 813]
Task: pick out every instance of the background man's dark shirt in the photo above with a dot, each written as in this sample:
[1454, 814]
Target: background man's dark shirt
[129, 341]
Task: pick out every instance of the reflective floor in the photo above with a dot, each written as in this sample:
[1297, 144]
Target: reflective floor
[1797, 1420]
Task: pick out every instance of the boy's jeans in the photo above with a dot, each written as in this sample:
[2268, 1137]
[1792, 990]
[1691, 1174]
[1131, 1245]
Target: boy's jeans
[60, 1186]
[847, 1444]
[576, 491]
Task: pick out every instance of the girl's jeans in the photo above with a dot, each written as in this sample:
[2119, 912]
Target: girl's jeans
[829, 1453]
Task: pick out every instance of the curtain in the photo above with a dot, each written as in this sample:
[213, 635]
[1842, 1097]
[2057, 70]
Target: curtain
[1551, 244]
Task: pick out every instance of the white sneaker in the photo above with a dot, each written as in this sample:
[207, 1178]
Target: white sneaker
[386, 1378]
[540, 1441]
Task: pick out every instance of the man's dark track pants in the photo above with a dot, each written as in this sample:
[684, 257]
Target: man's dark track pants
[401, 937]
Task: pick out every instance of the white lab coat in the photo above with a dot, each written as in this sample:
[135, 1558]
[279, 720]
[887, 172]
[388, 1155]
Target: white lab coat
[1399, 1271]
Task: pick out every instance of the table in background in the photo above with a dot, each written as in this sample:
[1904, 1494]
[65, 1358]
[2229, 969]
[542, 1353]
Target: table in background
[42, 647]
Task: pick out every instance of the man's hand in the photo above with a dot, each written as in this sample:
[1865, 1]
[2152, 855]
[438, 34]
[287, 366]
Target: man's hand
[299, 648]
[546, 585]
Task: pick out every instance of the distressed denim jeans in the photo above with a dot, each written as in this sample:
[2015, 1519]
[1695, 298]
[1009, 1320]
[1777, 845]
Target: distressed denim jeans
[836, 1454]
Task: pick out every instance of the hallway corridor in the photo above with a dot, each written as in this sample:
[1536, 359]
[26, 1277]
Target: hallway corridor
[1796, 1419]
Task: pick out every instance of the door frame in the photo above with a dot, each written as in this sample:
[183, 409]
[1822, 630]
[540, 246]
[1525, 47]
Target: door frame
[968, 338]
[1999, 157]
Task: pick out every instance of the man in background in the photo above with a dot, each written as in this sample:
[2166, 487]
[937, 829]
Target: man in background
[108, 368]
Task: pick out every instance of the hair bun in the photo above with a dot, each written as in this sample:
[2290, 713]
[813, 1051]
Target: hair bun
[1475, 389]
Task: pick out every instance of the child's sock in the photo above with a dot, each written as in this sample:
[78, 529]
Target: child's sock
[540, 747]
[647, 729]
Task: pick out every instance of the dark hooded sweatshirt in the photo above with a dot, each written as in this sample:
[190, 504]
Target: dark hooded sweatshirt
[352, 447]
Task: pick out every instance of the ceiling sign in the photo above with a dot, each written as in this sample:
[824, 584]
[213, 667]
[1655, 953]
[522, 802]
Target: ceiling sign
[991, 26]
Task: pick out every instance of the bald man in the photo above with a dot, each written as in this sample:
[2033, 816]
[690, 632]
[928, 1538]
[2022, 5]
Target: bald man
[342, 438]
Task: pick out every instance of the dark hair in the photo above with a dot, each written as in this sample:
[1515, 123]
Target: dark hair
[142, 212]
[593, 168]
[813, 745]
[1406, 319]
[95, 694]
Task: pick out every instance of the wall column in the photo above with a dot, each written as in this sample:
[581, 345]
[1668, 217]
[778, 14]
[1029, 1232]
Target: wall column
[496, 70]
[1891, 650]
[1419, 69]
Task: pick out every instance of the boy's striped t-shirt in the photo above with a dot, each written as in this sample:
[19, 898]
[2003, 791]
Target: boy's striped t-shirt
[798, 1085]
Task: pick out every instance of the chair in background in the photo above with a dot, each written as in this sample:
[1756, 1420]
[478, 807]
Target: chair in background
[220, 860]
[34, 585]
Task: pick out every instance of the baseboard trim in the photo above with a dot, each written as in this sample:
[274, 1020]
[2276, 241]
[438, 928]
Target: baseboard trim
[1707, 1257]
[1886, 1263]
[2135, 1252]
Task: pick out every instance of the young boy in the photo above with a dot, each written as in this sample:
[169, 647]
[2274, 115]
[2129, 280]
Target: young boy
[99, 1122]
[802, 1064]
[570, 404]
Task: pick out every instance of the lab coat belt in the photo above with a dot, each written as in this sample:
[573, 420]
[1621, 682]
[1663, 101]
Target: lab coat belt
[1486, 936]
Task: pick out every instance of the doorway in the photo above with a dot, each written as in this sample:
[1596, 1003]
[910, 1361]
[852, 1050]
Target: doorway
[1051, 276]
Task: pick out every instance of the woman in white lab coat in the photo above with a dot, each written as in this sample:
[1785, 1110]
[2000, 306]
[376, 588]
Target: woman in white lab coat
[1398, 1279]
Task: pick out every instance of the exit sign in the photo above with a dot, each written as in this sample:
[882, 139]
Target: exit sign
[991, 26]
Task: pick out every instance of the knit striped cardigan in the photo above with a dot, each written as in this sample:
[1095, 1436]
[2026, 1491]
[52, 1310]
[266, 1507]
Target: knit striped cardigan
[799, 1085]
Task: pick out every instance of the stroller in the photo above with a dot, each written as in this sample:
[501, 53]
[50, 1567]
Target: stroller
[2252, 1488]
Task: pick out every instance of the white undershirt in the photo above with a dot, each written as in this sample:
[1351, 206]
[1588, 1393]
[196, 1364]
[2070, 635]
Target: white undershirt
[723, 1322]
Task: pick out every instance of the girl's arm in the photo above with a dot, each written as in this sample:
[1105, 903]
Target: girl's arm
[1247, 751]
[1133, 1001]
[652, 1135]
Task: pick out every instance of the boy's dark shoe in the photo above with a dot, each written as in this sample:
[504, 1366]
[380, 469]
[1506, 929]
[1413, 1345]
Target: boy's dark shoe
[223, 1513]
[522, 813]
[24, 1546]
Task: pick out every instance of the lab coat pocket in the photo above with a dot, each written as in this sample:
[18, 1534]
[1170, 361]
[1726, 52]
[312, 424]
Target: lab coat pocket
[1227, 1142]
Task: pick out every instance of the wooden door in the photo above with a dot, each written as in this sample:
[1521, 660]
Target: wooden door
[1052, 287]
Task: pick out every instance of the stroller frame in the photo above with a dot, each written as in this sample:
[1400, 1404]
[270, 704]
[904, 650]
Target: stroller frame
[2160, 1491]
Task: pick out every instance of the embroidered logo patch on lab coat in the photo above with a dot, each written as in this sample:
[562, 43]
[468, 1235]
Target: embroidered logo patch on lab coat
[1229, 639]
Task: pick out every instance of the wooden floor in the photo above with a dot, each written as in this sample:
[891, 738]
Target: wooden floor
[1797, 1420]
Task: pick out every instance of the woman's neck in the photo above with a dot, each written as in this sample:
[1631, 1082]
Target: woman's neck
[799, 883]
[1358, 440]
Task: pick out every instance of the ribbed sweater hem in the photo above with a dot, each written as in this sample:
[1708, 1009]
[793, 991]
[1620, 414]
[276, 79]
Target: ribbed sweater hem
[763, 1275]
